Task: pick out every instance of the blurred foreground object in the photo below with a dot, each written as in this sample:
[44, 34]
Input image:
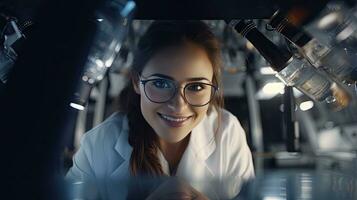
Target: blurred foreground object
[112, 20]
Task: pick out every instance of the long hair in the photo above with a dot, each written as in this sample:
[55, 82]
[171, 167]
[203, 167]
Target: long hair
[160, 35]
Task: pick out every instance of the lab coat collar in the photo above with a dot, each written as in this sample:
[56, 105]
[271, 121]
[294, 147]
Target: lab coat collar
[202, 140]
[122, 145]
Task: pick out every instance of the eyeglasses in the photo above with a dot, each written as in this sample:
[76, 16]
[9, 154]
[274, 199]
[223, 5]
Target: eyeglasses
[159, 90]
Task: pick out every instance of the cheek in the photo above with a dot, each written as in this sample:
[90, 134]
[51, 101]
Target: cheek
[200, 110]
[147, 107]
[145, 103]
[149, 110]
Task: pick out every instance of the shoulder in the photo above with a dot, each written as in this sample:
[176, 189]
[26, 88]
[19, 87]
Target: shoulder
[99, 144]
[107, 132]
[232, 144]
[230, 138]
[227, 125]
[228, 134]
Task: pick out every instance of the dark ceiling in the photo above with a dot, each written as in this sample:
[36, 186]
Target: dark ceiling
[185, 9]
[217, 9]
[209, 9]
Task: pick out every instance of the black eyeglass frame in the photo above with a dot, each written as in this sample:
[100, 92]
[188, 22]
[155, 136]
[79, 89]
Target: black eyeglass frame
[143, 82]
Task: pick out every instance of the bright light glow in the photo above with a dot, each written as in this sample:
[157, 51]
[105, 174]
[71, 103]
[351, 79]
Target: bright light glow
[99, 63]
[91, 81]
[117, 47]
[273, 198]
[297, 93]
[270, 90]
[345, 33]
[328, 20]
[100, 77]
[274, 88]
[76, 106]
[99, 20]
[249, 46]
[130, 5]
[267, 70]
[306, 105]
[85, 78]
[109, 62]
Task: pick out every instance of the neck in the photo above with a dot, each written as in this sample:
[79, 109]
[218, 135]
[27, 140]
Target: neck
[173, 151]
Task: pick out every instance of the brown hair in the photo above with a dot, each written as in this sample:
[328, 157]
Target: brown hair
[162, 34]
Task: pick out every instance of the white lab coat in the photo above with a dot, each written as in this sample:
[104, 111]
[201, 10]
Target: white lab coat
[216, 164]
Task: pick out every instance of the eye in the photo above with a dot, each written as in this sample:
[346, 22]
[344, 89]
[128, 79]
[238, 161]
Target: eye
[161, 83]
[196, 87]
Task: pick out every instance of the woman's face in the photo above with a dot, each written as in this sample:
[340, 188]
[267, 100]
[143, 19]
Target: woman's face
[174, 120]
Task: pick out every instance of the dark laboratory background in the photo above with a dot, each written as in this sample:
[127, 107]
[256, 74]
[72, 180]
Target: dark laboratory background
[289, 75]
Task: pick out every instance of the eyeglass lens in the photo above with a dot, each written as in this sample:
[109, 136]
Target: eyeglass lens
[161, 90]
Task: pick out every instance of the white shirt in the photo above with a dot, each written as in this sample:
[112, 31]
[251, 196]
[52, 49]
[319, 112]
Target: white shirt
[214, 163]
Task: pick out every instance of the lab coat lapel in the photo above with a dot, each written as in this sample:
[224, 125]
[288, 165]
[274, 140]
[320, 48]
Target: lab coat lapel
[123, 150]
[193, 166]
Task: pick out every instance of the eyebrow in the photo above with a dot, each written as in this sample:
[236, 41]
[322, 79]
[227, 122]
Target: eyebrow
[170, 78]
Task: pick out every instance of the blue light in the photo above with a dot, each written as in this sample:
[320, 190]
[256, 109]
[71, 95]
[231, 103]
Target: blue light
[129, 6]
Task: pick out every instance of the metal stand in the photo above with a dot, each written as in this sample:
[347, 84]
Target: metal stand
[254, 114]
[290, 124]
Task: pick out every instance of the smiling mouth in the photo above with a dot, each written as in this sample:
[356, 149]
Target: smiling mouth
[174, 121]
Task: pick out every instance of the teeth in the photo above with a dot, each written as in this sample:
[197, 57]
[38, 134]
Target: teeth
[174, 119]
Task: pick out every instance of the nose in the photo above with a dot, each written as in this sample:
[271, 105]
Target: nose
[178, 103]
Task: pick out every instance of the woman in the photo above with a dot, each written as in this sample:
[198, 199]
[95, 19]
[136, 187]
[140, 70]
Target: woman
[171, 123]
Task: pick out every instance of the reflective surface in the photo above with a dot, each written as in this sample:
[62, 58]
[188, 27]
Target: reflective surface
[303, 184]
[271, 185]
